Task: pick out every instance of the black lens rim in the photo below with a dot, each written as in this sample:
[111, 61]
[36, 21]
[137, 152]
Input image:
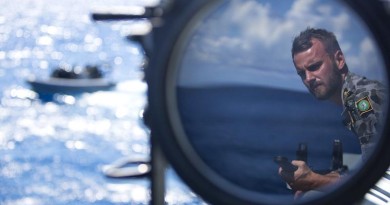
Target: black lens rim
[186, 163]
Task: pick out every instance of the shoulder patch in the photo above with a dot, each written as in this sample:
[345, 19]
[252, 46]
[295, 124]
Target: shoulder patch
[364, 105]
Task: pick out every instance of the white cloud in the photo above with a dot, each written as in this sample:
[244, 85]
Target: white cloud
[250, 34]
[251, 26]
[340, 22]
[345, 46]
[253, 22]
[367, 45]
[325, 10]
[301, 9]
[367, 61]
[367, 55]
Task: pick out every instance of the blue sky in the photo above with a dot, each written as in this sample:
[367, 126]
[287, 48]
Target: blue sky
[249, 42]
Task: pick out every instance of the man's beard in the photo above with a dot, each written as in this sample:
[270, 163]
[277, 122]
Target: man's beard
[331, 88]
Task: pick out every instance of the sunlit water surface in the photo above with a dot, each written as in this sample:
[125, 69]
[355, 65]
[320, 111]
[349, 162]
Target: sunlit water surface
[52, 151]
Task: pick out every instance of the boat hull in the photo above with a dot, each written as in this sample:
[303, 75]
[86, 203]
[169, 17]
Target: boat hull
[60, 85]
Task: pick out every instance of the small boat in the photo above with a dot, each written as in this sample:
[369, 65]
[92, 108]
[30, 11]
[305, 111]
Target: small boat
[71, 80]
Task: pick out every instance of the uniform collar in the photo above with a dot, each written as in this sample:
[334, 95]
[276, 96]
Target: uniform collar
[347, 85]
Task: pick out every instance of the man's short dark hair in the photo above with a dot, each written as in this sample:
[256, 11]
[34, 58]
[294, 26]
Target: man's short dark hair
[303, 41]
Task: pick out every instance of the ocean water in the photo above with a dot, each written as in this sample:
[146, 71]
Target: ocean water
[52, 150]
[238, 130]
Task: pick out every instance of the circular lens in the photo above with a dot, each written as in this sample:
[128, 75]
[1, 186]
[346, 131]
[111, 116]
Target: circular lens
[229, 96]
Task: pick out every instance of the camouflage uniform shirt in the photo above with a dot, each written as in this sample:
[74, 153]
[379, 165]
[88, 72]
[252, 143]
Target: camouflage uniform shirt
[363, 102]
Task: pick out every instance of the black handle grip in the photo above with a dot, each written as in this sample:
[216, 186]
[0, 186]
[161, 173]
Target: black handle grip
[285, 164]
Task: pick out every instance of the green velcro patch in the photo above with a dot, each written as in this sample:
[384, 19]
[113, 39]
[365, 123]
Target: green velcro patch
[364, 105]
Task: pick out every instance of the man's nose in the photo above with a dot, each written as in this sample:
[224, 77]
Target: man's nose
[309, 77]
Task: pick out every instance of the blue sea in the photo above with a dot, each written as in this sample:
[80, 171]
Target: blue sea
[52, 150]
[238, 130]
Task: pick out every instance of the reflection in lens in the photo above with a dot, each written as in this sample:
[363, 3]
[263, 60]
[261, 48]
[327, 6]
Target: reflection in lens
[242, 103]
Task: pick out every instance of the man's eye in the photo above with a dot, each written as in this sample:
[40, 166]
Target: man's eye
[315, 66]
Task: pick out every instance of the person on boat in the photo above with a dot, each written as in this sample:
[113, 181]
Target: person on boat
[78, 72]
[322, 67]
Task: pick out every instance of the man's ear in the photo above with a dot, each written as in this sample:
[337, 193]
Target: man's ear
[339, 59]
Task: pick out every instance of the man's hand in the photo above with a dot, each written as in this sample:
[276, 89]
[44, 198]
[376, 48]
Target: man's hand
[304, 179]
